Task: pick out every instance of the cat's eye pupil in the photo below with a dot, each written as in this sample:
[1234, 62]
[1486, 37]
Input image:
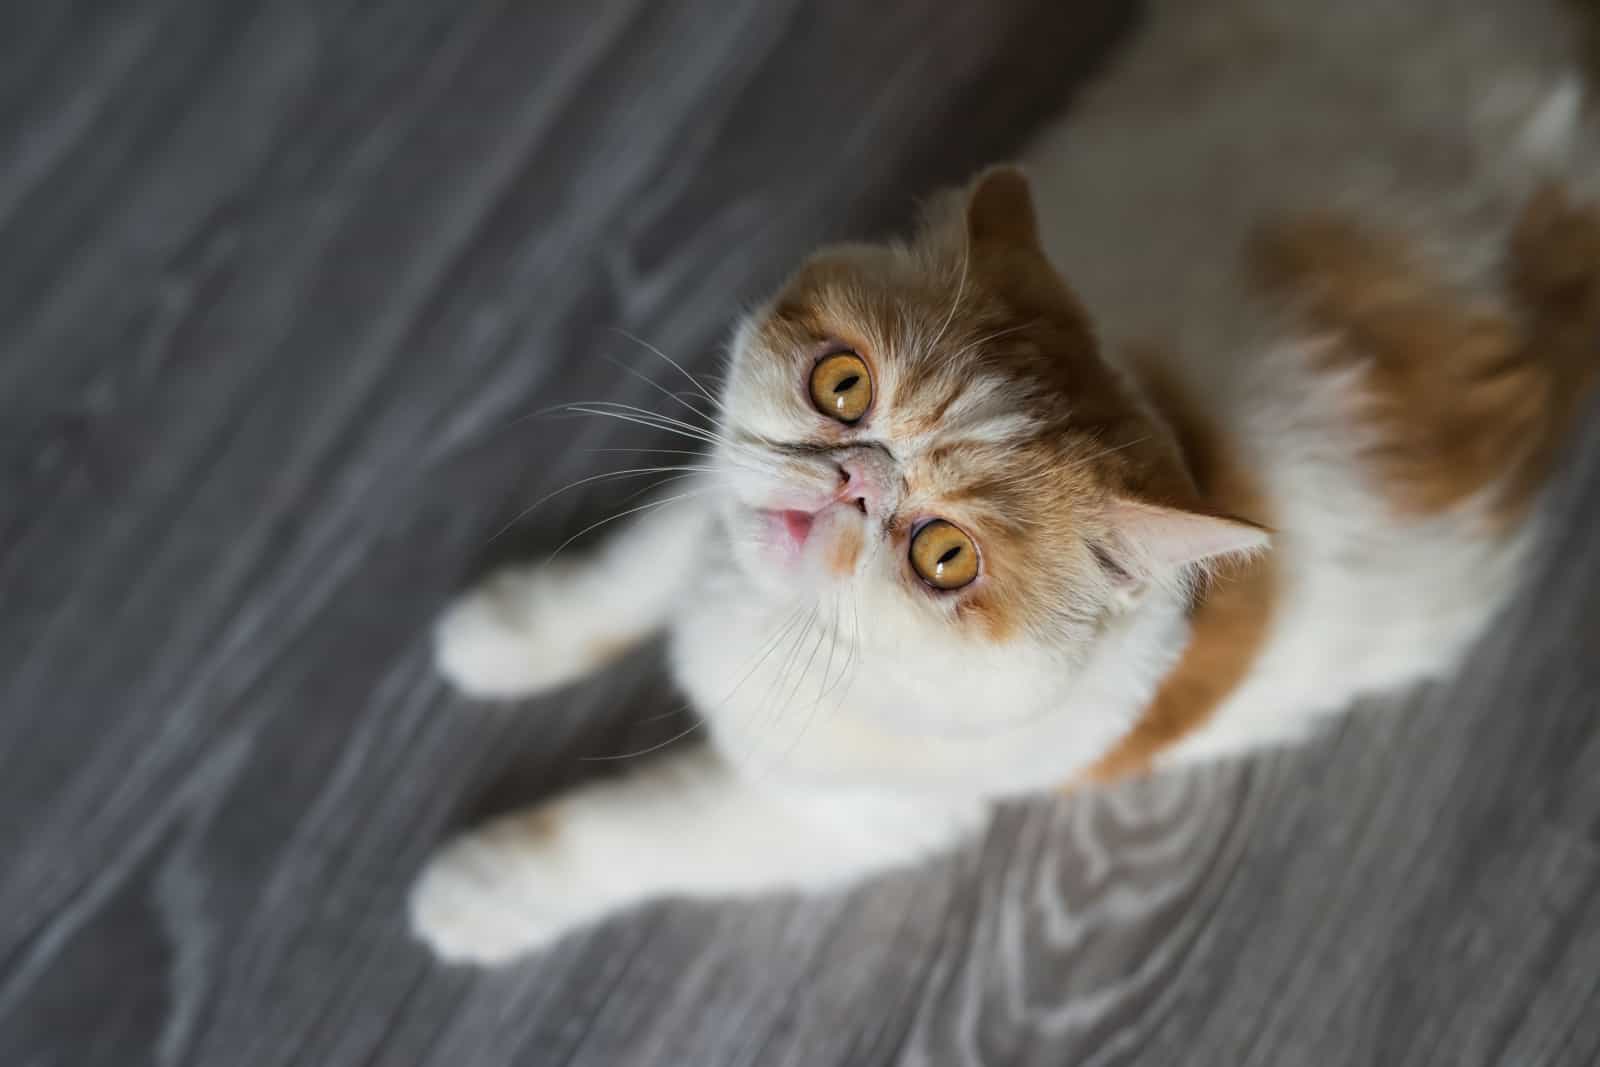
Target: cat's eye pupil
[847, 384]
[949, 555]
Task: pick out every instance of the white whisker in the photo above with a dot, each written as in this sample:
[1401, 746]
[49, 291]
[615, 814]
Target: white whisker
[1111, 451]
[653, 748]
[623, 515]
[709, 432]
[772, 645]
[657, 386]
[991, 337]
[656, 421]
[857, 659]
[607, 476]
[961, 289]
[658, 451]
[832, 634]
[782, 677]
[800, 679]
[653, 486]
[692, 380]
[650, 422]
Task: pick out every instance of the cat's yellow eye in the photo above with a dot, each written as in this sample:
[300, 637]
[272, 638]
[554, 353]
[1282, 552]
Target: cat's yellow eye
[841, 387]
[943, 556]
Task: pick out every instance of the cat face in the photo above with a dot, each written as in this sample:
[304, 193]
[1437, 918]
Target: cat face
[929, 429]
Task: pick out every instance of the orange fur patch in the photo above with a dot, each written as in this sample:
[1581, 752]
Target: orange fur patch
[844, 552]
[1464, 398]
[1231, 615]
[991, 615]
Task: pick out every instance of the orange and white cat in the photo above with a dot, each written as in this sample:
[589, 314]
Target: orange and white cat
[1240, 411]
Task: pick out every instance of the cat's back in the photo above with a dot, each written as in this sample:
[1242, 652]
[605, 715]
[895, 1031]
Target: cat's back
[1435, 117]
[1362, 241]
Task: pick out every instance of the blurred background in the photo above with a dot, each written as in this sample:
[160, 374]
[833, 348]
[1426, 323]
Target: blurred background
[279, 282]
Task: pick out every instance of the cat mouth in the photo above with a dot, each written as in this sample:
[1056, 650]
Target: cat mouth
[787, 529]
[797, 526]
[809, 531]
[825, 537]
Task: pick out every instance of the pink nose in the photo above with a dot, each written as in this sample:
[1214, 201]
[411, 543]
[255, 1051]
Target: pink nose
[855, 486]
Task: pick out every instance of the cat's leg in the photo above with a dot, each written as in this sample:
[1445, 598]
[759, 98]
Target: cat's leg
[687, 825]
[531, 628]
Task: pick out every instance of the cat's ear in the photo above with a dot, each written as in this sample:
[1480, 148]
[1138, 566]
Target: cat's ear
[1000, 209]
[1150, 540]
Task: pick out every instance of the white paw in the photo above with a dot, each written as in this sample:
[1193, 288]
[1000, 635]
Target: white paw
[485, 902]
[518, 633]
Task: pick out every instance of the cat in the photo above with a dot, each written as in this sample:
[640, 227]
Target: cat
[1232, 404]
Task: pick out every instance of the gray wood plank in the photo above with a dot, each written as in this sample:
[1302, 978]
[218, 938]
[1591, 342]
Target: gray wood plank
[280, 280]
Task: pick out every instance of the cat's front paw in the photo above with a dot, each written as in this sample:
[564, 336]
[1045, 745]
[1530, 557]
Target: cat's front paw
[518, 633]
[493, 895]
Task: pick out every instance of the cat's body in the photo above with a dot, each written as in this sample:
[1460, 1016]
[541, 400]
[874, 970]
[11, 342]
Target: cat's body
[1342, 265]
[1432, 123]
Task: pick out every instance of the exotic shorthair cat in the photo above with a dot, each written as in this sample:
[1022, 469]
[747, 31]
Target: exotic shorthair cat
[1236, 406]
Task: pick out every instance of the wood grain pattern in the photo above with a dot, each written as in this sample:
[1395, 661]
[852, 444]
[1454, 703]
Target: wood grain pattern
[279, 280]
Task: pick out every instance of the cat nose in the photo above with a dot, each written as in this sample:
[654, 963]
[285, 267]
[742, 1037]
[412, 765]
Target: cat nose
[869, 479]
[854, 486]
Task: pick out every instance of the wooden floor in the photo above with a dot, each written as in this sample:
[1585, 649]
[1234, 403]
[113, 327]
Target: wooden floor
[277, 283]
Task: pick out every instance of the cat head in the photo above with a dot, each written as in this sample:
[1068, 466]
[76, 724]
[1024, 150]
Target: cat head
[929, 427]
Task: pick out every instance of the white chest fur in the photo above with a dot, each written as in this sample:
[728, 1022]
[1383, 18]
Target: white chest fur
[806, 692]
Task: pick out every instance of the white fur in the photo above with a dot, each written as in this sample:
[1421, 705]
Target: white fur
[528, 629]
[852, 727]
[688, 826]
